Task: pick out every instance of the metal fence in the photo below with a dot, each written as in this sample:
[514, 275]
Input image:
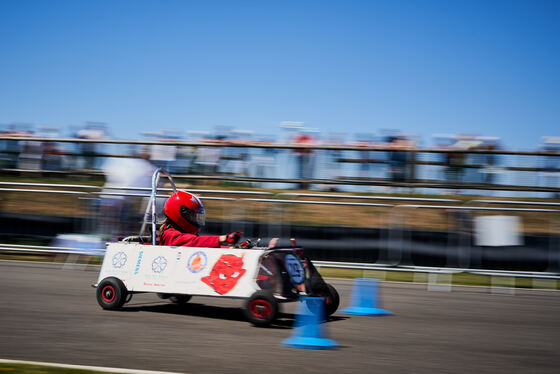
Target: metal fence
[393, 240]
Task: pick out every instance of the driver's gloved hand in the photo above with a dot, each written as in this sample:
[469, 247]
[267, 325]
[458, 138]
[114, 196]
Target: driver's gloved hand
[246, 244]
[233, 237]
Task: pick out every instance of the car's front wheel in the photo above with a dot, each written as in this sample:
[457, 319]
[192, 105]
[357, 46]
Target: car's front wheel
[111, 293]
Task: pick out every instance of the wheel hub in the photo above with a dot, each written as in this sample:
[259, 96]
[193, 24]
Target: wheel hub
[261, 308]
[108, 294]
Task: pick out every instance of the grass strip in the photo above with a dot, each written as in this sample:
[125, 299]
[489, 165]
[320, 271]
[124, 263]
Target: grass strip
[40, 369]
[19, 366]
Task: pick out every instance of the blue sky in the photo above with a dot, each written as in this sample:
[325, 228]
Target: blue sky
[486, 67]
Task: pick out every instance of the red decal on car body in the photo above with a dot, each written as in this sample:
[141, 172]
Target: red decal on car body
[225, 273]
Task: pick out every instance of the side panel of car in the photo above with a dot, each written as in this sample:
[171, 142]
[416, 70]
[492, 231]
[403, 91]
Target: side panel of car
[183, 270]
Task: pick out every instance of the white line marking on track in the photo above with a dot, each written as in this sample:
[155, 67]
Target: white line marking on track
[85, 367]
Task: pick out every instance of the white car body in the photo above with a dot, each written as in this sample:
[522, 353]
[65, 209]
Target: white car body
[183, 270]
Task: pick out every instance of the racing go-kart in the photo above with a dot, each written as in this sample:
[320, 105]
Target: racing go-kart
[264, 276]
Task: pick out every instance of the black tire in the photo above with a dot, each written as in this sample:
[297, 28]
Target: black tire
[261, 308]
[179, 299]
[325, 307]
[111, 293]
[332, 300]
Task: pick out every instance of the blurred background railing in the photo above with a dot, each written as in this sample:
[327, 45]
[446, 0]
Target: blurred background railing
[475, 207]
[376, 166]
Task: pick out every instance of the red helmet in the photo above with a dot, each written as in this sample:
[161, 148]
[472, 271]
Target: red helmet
[186, 211]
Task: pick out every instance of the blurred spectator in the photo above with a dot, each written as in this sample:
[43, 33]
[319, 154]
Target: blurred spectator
[551, 164]
[52, 153]
[31, 154]
[398, 160]
[263, 162]
[51, 157]
[234, 160]
[304, 158]
[490, 169]
[12, 148]
[208, 158]
[184, 163]
[364, 166]
[332, 167]
[474, 161]
[161, 155]
[91, 131]
[121, 214]
[243, 154]
[455, 161]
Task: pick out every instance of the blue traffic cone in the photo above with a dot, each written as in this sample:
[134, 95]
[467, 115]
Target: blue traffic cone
[364, 300]
[307, 332]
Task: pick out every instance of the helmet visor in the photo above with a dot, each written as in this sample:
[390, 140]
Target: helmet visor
[197, 219]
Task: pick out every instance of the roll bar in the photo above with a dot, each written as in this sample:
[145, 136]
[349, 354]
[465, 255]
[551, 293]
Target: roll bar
[152, 203]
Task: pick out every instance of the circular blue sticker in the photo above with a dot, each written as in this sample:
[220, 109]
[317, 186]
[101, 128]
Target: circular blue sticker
[294, 268]
[197, 262]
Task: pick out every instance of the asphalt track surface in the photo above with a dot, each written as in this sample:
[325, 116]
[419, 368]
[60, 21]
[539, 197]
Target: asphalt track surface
[49, 313]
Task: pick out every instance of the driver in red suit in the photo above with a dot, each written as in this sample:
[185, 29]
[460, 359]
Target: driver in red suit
[185, 216]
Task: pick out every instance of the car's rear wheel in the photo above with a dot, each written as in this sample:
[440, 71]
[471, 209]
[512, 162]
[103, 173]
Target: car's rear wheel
[329, 303]
[111, 293]
[261, 308]
[332, 300]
